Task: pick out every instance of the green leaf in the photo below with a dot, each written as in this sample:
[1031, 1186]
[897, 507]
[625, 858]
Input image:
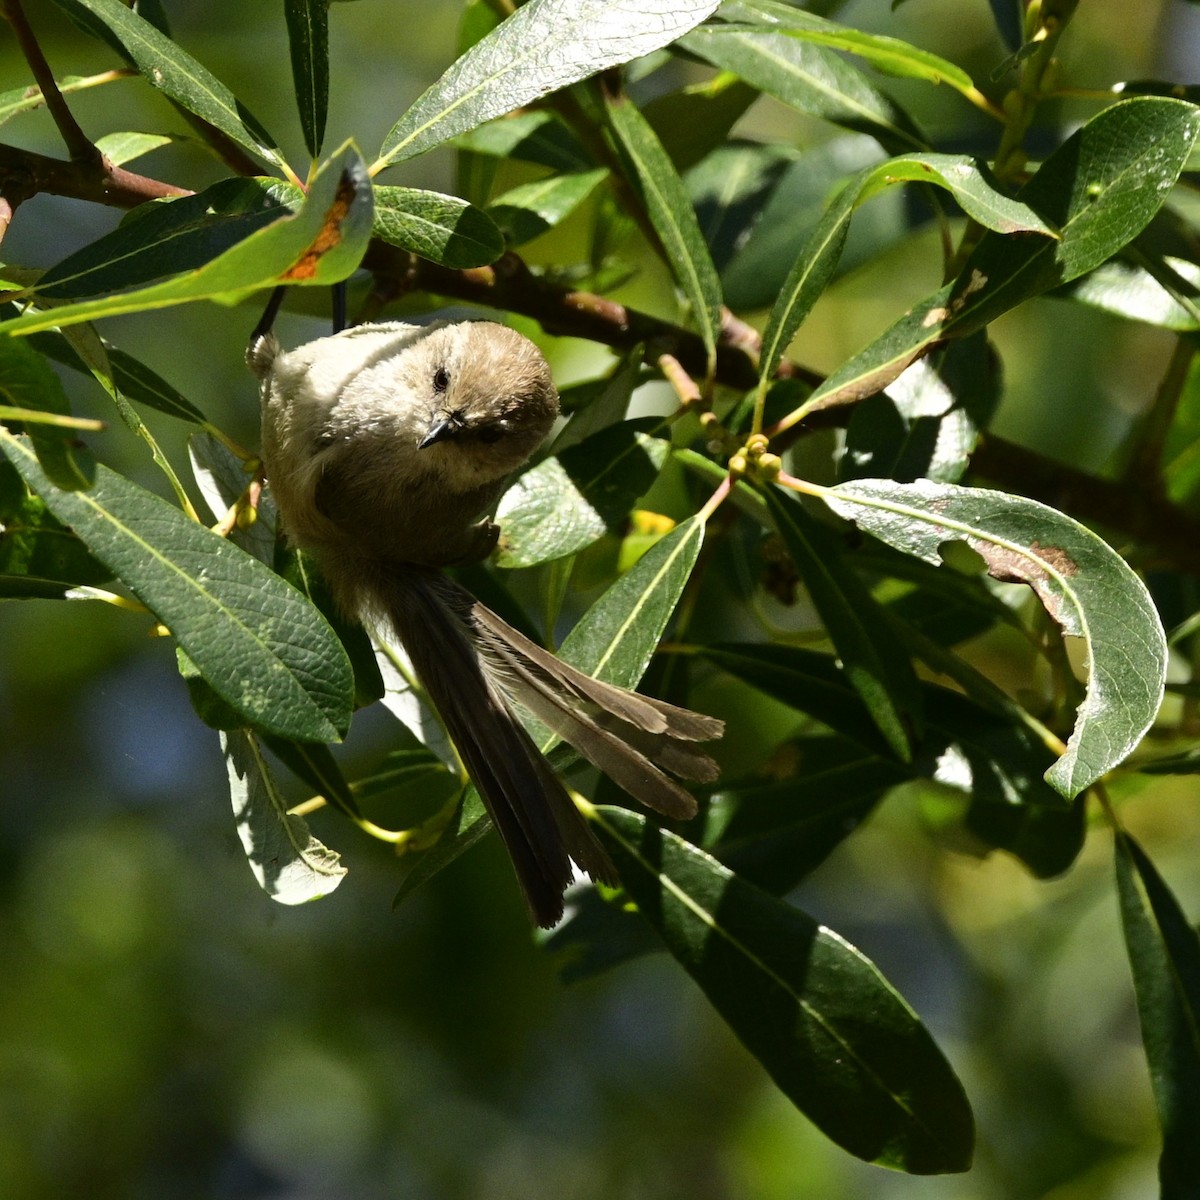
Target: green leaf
[39, 557]
[308, 42]
[134, 380]
[166, 238]
[120, 148]
[443, 229]
[223, 480]
[832, 1033]
[1082, 582]
[810, 78]
[257, 642]
[928, 421]
[698, 120]
[1128, 290]
[291, 866]
[570, 501]
[528, 211]
[27, 381]
[968, 181]
[313, 762]
[320, 244]
[173, 71]
[729, 189]
[544, 46]
[537, 137]
[616, 638]
[965, 746]
[26, 99]
[887, 54]
[775, 834]
[873, 660]
[670, 211]
[1164, 953]
[1099, 189]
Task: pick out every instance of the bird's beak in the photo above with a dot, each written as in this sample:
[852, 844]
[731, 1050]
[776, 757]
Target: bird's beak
[442, 428]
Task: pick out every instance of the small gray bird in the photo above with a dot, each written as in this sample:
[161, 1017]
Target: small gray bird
[385, 446]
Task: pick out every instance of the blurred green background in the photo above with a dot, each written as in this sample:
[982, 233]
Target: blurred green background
[166, 1032]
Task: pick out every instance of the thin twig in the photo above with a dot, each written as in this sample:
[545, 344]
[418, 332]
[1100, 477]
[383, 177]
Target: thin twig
[80, 147]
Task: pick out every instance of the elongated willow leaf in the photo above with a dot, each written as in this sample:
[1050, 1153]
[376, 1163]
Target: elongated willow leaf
[135, 380]
[531, 209]
[257, 642]
[968, 181]
[27, 381]
[810, 78]
[322, 243]
[1099, 190]
[1082, 582]
[173, 71]
[308, 42]
[443, 229]
[613, 641]
[291, 866]
[1164, 953]
[887, 54]
[166, 238]
[544, 46]
[39, 557]
[567, 502]
[670, 211]
[873, 659]
[833, 1034]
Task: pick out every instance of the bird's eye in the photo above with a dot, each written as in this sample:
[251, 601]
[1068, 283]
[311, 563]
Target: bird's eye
[441, 379]
[489, 434]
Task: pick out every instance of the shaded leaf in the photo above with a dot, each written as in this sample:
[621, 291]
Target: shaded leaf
[39, 556]
[291, 866]
[443, 229]
[536, 137]
[544, 46]
[1082, 582]
[173, 71]
[835, 1037]
[258, 643]
[28, 382]
[313, 762]
[131, 376]
[873, 660]
[308, 44]
[567, 502]
[1164, 954]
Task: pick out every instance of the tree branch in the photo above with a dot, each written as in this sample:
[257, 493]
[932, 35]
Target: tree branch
[96, 180]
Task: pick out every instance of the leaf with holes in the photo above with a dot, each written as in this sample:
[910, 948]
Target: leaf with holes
[1082, 582]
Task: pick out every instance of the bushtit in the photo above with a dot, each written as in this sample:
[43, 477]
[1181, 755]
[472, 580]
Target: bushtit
[385, 446]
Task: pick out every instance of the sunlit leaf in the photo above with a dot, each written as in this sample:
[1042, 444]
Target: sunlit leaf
[1082, 582]
[291, 866]
[443, 229]
[544, 46]
[258, 643]
[322, 243]
[569, 501]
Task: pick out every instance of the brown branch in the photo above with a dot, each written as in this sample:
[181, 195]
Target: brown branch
[79, 145]
[96, 180]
